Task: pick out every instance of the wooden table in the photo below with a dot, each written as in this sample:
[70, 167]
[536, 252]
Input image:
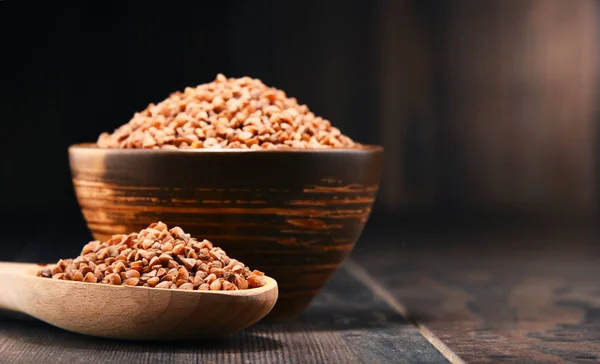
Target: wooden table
[496, 296]
[417, 297]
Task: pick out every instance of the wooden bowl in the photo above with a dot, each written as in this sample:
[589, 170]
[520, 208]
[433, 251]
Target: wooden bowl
[293, 214]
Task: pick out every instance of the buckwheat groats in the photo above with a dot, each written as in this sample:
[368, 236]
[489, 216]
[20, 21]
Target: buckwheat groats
[227, 113]
[157, 257]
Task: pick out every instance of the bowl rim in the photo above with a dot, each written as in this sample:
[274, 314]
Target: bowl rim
[364, 148]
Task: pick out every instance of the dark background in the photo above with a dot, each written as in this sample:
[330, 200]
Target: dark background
[486, 109]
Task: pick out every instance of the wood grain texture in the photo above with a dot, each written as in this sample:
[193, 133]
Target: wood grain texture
[522, 88]
[294, 215]
[373, 284]
[509, 298]
[485, 105]
[346, 323]
[132, 313]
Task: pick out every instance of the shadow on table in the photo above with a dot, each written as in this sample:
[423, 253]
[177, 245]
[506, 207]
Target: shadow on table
[339, 319]
[37, 333]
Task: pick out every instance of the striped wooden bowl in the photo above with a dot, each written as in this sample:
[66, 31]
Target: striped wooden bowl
[294, 215]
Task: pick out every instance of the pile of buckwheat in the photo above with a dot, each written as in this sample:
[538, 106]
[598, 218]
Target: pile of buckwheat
[227, 113]
[157, 257]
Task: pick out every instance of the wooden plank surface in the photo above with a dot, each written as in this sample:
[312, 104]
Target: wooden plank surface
[347, 323]
[493, 298]
[478, 297]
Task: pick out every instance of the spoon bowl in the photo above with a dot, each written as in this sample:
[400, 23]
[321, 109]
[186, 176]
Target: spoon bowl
[132, 313]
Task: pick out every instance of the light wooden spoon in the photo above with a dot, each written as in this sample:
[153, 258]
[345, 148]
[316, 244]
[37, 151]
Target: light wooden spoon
[133, 313]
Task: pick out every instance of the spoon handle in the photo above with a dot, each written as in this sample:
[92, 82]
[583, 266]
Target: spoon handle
[10, 280]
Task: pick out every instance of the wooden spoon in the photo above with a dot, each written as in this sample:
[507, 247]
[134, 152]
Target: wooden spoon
[133, 313]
